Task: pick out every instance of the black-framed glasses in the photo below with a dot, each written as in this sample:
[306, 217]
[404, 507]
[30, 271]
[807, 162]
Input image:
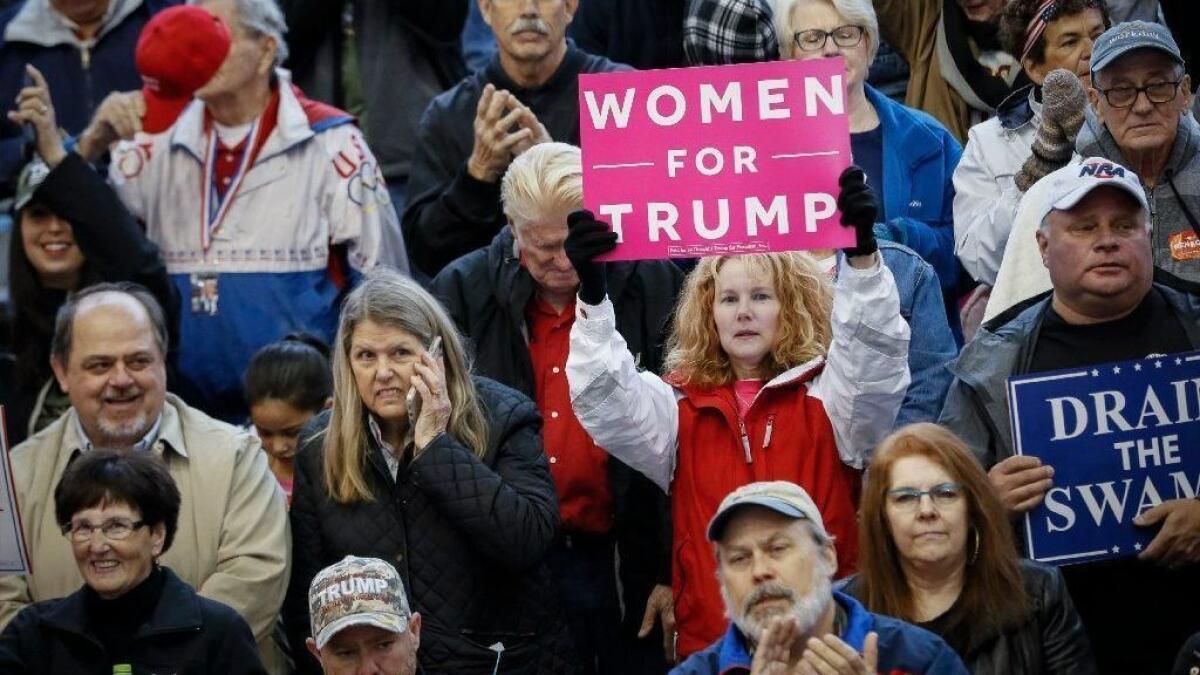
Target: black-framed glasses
[1156, 92]
[113, 529]
[942, 495]
[814, 39]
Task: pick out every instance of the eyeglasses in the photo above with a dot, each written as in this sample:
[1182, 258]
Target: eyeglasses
[814, 39]
[1156, 92]
[942, 496]
[113, 529]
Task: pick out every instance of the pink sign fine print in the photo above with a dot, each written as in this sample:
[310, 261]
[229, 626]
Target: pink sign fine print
[719, 160]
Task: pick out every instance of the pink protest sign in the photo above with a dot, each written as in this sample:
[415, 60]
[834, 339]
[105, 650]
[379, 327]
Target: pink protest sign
[717, 160]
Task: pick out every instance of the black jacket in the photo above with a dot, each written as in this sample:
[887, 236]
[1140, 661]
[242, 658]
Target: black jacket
[467, 536]
[186, 635]
[1052, 640]
[114, 248]
[450, 213]
[487, 292]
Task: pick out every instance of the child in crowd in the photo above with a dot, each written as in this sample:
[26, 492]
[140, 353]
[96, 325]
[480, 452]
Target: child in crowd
[287, 383]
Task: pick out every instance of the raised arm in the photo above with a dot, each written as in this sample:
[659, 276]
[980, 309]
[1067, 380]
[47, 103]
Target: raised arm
[866, 372]
[632, 415]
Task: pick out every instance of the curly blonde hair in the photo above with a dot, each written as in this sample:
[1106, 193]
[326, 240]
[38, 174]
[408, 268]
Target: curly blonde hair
[694, 354]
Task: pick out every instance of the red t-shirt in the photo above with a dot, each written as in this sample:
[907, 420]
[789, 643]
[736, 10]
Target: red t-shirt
[578, 465]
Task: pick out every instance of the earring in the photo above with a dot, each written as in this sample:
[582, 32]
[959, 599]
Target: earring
[975, 546]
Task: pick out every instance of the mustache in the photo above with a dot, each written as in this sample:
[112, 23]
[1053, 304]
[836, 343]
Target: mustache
[527, 24]
[768, 590]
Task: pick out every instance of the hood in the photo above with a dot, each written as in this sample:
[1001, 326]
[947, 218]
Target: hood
[37, 24]
[1019, 108]
[1095, 140]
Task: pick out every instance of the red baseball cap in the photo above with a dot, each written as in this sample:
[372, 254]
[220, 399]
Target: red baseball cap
[178, 52]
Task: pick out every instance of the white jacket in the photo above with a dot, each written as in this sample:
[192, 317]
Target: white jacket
[634, 415]
[314, 184]
[985, 194]
[1022, 274]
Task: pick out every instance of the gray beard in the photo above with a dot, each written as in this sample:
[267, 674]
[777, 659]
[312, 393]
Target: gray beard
[807, 609]
[119, 436]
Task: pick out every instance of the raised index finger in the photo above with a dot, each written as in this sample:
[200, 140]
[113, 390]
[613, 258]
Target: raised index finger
[497, 105]
[39, 80]
[485, 100]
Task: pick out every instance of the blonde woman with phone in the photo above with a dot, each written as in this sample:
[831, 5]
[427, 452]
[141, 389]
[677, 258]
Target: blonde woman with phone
[438, 472]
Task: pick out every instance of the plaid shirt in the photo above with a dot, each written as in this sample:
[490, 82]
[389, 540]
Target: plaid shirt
[717, 32]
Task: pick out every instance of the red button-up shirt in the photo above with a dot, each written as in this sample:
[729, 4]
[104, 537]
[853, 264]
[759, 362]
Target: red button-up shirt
[578, 465]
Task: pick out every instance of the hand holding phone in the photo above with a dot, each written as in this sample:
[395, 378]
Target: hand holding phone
[413, 399]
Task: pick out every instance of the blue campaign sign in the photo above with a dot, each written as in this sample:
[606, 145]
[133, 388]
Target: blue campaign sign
[1122, 438]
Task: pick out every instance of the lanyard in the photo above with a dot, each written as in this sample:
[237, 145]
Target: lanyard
[214, 208]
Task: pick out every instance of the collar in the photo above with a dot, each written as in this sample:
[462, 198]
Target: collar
[178, 610]
[1019, 108]
[167, 432]
[1096, 140]
[566, 72]
[733, 653]
[37, 23]
[291, 126]
[911, 134]
[85, 444]
[390, 455]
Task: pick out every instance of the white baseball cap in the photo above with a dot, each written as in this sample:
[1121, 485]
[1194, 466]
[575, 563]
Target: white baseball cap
[1061, 190]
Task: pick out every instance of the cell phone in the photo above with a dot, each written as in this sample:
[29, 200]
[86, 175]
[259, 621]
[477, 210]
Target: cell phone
[413, 399]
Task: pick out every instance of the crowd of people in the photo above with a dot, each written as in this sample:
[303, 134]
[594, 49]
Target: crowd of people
[311, 361]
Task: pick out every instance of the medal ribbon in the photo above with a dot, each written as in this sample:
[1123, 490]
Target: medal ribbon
[214, 208]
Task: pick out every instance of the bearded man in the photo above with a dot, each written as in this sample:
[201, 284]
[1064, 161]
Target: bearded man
[775, 564]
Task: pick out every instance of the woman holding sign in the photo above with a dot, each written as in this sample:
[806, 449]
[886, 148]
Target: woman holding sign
[936, 550]
[773, 375]
[907, 155]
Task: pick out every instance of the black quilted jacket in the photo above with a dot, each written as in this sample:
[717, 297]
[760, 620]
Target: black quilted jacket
[467, 536]
[487, 293]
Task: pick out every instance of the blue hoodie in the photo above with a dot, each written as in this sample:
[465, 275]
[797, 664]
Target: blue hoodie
[904, 649]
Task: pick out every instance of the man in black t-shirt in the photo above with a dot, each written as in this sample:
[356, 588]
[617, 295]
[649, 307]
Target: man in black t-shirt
[1095, 242]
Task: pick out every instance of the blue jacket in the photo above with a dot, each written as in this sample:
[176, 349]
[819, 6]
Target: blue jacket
[904, 649]
[79, 79]
[932, 345]
[919, 156]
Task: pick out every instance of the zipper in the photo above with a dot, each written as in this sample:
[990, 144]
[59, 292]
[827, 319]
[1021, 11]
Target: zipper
[745, 442]
[767, 435]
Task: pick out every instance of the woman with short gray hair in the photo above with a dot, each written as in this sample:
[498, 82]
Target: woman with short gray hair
[908, 156]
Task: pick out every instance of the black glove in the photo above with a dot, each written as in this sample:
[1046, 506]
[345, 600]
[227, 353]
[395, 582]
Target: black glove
[586, 239]
[857, 204]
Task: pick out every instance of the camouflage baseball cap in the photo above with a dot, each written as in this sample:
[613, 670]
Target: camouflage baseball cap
[357, 592]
